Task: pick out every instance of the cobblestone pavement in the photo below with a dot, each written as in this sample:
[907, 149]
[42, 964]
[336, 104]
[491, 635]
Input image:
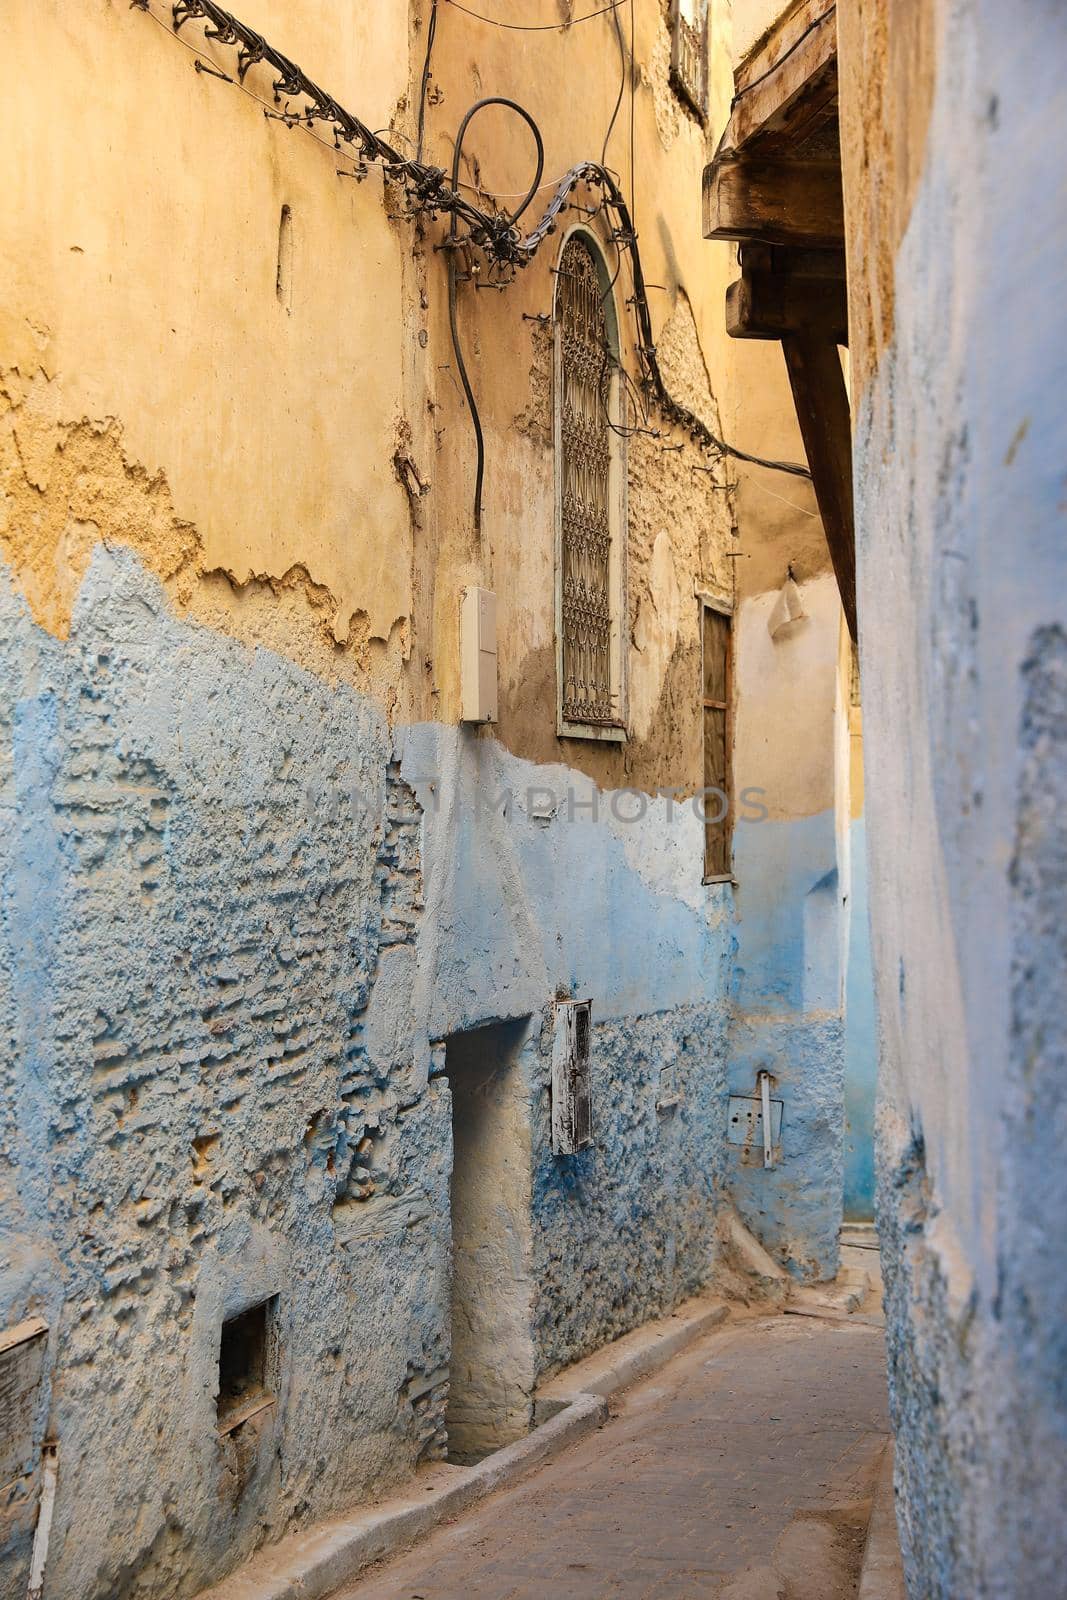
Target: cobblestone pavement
[741, 1471]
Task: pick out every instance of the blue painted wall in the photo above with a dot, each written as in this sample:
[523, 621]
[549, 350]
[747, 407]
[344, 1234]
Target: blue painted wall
[861, 1042]
[959, 453]
[198, 1110]
[787, 1020]
[239, 914]
[537, 897]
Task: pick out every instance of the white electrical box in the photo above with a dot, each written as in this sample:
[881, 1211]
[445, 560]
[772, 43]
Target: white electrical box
[477, 656]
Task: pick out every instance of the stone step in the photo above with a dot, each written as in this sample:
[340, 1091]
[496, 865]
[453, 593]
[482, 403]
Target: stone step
[866, 1261]
[835, 1299]
[861, 1235]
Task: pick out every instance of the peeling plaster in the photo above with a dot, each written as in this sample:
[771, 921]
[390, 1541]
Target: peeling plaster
[235, 922]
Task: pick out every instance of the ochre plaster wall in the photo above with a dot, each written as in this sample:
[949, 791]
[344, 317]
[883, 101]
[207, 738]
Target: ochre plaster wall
[142, 327]
[680, 520]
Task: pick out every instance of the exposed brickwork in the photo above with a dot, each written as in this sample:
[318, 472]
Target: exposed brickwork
[193, 929]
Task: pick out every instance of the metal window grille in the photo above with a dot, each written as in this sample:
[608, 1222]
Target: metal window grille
[585, 441]
[689, 53]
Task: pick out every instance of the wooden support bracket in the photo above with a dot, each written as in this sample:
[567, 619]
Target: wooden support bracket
[768, 305]
[787, 89]
[778, 202]
[821, 399]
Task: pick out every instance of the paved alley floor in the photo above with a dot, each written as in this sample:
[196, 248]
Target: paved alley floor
[741, 1471]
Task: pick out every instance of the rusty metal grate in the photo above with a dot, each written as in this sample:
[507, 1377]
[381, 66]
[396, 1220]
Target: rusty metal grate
[585, 504]
[689, 53]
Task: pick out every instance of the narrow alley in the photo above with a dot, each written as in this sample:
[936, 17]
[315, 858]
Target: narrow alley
[533, 800]
[744, 1470]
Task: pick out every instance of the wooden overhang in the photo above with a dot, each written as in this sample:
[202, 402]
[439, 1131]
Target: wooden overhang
[775, 188]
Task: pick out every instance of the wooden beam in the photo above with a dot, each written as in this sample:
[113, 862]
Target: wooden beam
[789, 84]
[821, 399]
[793, 105]
[797, 263]
[777, 202]
[767, 305]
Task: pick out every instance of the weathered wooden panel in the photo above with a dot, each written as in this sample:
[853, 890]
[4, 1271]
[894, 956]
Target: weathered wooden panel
[778, 202]
[766, 305]
[572, 1120]
[22, 1353]
[821, 399]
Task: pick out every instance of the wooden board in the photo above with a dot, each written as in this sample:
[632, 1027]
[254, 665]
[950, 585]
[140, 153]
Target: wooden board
[821, 399]
[22, 1353]
[776, 202]
[787, 86]
[766, 305]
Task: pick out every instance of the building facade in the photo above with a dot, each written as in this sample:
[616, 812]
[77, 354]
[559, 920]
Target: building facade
[293, 935]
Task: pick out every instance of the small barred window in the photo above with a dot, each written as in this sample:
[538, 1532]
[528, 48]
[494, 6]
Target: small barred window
[589, 472]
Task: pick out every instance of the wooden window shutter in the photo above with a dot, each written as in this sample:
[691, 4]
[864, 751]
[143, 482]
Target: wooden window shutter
[718, 851]
[689, 53]
[572, 1120]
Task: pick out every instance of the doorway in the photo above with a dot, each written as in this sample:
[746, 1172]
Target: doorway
[491, 1380]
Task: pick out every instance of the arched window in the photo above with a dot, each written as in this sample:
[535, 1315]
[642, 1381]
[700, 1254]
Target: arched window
[590, 475]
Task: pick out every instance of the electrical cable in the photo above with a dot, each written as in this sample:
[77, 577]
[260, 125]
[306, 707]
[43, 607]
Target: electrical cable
[495, 235]
[797, 42]
[633, 93]
[508, 194]
[453, 243]
[536, 27]
[622, 83]
[208, 66]
[431, 34]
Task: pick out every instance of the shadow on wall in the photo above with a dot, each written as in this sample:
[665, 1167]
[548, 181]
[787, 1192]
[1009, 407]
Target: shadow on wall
[861, 1043]
[822, 945]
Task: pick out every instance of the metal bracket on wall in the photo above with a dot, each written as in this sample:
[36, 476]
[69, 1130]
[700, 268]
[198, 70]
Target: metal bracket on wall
[765, 1109]
[753, 1120]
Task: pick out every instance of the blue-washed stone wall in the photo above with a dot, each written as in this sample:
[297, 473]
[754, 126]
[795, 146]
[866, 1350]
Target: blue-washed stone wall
[239, 917]
[861, 1040]
[193, 1117]
[538, 886]
[960, 448]
[794, 1209]
[631, 1218]
[788, 1019]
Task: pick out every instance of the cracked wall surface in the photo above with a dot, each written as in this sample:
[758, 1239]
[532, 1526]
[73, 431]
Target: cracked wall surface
[959, 346]
[639, 1224]
[159, 210]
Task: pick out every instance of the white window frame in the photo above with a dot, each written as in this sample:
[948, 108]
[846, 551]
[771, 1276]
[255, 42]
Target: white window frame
[617, 515]
[695, 95]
